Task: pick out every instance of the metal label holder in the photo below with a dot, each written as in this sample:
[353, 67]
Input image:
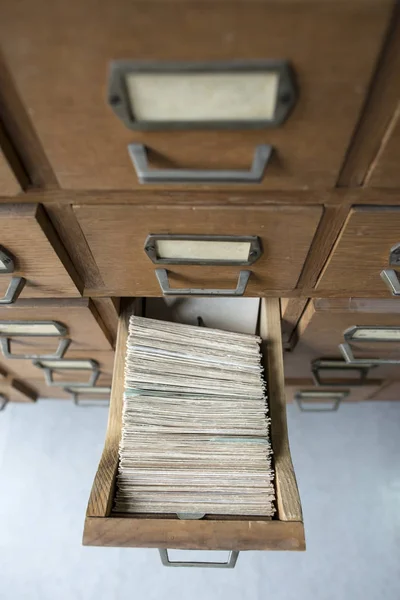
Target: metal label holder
[255, 250]
[347, 351]
[61, 330]
[119, 101]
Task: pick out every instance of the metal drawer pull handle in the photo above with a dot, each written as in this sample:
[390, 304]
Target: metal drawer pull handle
[3, 402]
[320, 365]
[391, 278]
[138, 154]
[14, 290]
[229, 564]
[349, 357]
[162, 276]
[59, 353]
[103, 393]
[80, 365]
[305, 400]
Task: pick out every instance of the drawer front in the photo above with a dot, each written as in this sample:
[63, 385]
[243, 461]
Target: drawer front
[27, 370]
[362, 251]
[27, 235]
[9, 185]
[79, 318]
[309, 149]
[116, 236]
[104, 528]
[321, 330]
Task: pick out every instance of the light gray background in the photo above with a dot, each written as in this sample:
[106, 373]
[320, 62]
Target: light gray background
[348, 467]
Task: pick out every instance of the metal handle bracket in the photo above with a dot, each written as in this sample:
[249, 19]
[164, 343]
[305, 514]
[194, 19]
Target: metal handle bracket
[138, 155]
[391, 279]
[229, 564]
[14, 290]
[59, 353]
[162, 276]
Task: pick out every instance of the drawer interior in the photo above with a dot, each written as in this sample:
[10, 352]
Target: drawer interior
[284, 532]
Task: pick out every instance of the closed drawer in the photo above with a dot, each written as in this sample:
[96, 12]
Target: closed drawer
[89, 360]
[74, 323]
[312, 398]
[309, 148]
[327, 323]
[117, 234]
[15, 390]
[103, 527]
[362, 251]
[29, 238]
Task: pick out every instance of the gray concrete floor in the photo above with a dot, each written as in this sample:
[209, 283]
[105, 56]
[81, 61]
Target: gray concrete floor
[348, 467]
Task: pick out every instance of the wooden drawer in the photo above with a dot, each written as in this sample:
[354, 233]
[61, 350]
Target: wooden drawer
[39, 257]
[26, 369]
[332, 78]
[79, 320]
[14, 390]
[116, 236]
[362, 252]
[321, 330]
[310, 397]
[285, 532]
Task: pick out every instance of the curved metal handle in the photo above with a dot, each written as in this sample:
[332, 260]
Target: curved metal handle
[305, 400]
[229, 564]
[391, 278]
[162, 276]
[63, 365]
[14, 290]
[77, 390]
[320, 365]
[349, 357]
[59, 353]
[138, 154]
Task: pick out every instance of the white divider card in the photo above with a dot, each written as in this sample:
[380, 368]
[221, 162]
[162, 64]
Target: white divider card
[195, 436]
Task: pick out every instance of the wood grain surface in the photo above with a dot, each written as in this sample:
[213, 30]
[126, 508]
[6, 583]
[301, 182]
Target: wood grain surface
[84, 325]
[85, 142]
[193, 535]
[287, 494]
[361, 252]
[102, 494]
[28, 235]
[116, 237]
[368, 161]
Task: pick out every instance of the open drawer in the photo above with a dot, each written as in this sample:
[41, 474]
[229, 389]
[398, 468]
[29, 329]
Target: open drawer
[285, 531]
